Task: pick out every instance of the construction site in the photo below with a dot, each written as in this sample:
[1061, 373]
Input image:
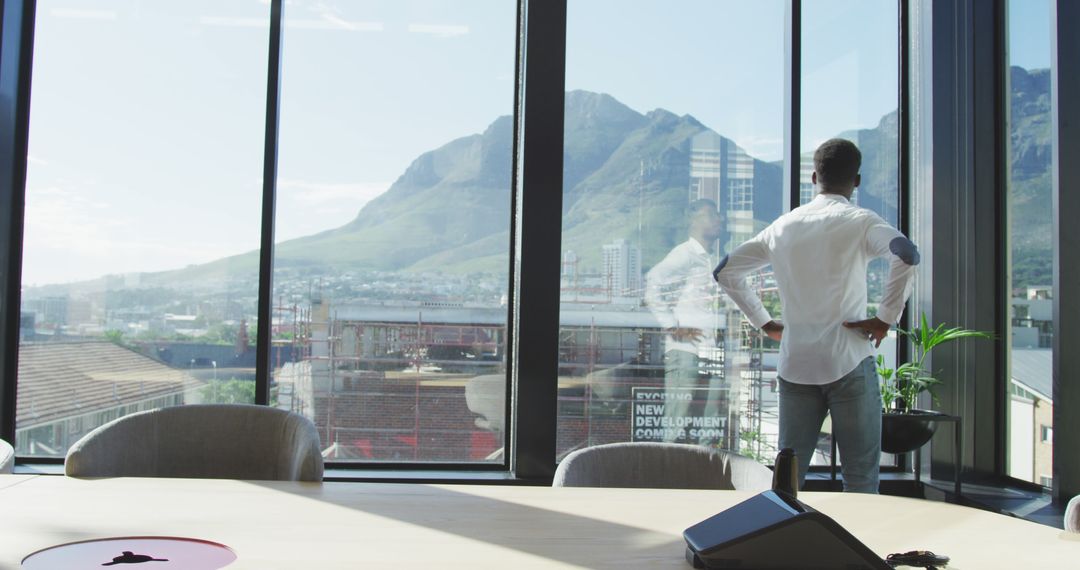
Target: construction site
[426, 382]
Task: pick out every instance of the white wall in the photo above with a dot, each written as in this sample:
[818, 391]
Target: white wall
[1021, 438]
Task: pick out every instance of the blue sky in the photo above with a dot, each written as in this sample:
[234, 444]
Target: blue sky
[147, 116]
[1029, 23]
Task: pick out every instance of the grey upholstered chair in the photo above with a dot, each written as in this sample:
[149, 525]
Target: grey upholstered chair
[661, 466]
[216, 441]
[7, 457]
[1072, 515]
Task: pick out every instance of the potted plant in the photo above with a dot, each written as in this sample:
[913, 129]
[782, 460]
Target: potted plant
[903, 427]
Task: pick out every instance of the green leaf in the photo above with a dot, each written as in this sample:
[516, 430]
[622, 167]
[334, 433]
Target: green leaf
[910, 379]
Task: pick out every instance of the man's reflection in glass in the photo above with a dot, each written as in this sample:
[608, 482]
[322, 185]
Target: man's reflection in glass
[681, 293]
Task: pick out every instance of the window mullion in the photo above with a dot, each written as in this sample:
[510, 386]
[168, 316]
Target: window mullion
[16, 58]
[266, 249]
[539, 187]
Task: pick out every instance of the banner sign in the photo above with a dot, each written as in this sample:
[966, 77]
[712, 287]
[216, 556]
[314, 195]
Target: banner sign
[673, 415]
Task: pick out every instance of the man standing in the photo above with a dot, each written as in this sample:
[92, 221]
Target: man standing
[683, 298]
[819, 253]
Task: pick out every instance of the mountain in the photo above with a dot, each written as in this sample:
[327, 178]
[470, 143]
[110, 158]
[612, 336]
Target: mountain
[1030, 181]
[879, 145]
[627, 175]
[640, 188]
[450, 205]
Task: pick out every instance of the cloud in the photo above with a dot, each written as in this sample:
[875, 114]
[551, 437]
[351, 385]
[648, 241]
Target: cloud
[36, 160]
[229, 22]
[307, 207]
[317, 193]
[56, 218]
[762, 148]
[439, 30]
[332, 22]
[69, 237]
[80, 14]
[325, 19]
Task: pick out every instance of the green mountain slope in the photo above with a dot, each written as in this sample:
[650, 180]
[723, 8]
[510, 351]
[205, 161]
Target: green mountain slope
[1030, 183]
[627, 175]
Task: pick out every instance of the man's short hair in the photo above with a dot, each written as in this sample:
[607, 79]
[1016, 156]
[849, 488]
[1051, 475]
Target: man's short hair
[837, 162]
[699, 205]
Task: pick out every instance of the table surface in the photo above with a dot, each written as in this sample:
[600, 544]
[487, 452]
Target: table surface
[375, 525]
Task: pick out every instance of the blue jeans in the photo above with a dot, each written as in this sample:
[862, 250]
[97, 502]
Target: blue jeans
[855, 403]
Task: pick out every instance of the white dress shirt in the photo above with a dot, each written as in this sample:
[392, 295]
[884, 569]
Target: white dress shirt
[680, 292]
[819, 253]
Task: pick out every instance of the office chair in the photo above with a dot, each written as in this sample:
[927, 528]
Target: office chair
[7, 457]
[216, 441]
[661, 466]
[1072, 515]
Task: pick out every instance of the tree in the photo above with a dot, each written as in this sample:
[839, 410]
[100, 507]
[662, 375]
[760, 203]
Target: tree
[231, 391]
[221, 333]
[115, 336]
[234, 391]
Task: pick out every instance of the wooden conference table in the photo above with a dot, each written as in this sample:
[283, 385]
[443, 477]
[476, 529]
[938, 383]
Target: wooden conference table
[273, 525]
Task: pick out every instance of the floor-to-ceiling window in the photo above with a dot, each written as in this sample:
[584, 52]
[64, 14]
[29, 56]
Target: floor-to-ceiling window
[1029, 186]
[673, 145]
[391, 261]
[850, 90]
[674, 155]
[142, 207]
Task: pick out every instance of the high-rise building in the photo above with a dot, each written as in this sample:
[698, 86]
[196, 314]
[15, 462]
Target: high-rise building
[721, 171]
[705, 166]
[569, 274]
[806, 183]
[622, 269]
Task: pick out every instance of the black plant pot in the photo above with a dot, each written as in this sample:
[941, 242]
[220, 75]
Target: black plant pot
[908, 431]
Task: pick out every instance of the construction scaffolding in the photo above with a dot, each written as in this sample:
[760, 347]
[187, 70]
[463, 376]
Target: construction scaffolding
[387, 382]
[377, 388]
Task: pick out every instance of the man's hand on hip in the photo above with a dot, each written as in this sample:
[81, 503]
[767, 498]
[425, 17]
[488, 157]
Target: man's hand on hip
[874, 328]
[773, 330]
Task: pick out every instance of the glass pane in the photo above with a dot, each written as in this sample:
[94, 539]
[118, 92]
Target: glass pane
[1030, 442]
[140, 259]
[850, 90]
[667, 105]
[392, 255]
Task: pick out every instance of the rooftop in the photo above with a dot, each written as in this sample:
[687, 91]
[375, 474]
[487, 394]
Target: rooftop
[59, 378]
